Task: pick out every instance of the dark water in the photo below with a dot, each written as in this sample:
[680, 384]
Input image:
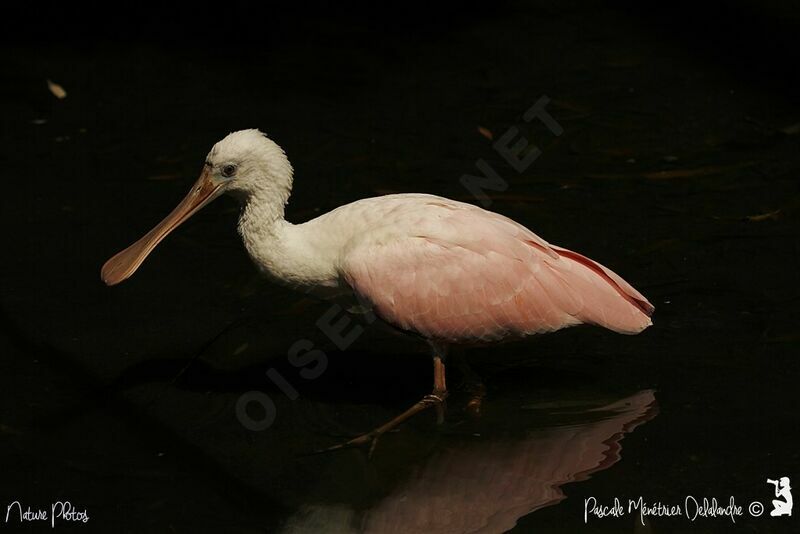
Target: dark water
[678, 167]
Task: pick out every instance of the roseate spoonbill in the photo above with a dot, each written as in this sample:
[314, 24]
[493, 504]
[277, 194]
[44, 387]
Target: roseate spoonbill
[449, 272]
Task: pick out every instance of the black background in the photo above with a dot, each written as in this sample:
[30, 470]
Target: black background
[678, 168]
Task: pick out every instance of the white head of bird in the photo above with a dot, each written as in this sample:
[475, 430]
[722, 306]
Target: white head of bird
[245, 164]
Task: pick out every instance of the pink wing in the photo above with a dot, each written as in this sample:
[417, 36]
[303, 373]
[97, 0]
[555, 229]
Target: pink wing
[465, 274]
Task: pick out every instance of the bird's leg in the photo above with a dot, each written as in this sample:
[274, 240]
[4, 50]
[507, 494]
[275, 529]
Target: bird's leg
[439, 387]
[435, 398]
[473, 384]
[475, 404]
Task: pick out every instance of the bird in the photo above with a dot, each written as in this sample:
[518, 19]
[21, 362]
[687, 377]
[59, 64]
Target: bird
[446, 271]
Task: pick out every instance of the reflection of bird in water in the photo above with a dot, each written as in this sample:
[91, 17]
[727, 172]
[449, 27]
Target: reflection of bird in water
[444, 270]
[487, 487]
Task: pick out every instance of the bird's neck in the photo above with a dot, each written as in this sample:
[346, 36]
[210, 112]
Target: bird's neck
[266, 233]
[262, 217]
[261, 212]
[263, 202]
[288, 253]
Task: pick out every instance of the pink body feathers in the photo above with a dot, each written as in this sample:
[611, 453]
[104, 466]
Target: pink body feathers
[460, 273]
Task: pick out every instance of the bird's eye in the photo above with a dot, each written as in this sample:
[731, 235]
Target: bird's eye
[228, 170]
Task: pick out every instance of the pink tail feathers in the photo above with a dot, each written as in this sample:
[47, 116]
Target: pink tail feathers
[628, 315]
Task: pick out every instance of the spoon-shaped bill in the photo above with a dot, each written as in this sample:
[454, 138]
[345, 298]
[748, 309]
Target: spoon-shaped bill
[124, 264]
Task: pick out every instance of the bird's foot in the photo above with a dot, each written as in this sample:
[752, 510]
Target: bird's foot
[475, 403]
[472, 384]
[371, 438]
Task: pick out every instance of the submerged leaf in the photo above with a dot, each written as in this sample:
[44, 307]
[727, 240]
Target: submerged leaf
[697, 171]
[57, 90]
[486, 132]
[772, 215]
[792, 129]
